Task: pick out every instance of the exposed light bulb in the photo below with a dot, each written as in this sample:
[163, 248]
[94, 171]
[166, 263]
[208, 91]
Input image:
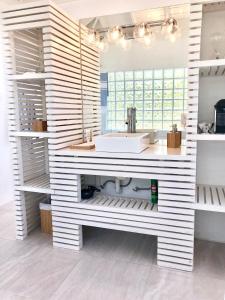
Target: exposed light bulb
[91, 36]
[169, 29]
[148, 39]
[124, 42]
[102, 45]
[172, 37]
[141, 30]
[115, 33]
[171, 25]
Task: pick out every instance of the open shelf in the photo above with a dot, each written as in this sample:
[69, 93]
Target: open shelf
[29, 76]
[215, 67]
[119, 204]
[209, 63]
[32, 134]
[210, 198]
[40, 184]
[210, 137]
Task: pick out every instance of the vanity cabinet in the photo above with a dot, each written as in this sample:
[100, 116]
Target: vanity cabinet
[172, 220]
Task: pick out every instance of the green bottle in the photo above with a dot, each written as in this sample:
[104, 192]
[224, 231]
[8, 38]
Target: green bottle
[154, 191]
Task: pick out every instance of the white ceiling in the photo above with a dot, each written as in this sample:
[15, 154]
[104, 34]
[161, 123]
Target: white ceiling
[4, 3]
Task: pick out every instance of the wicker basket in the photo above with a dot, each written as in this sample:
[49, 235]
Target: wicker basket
[46, 218]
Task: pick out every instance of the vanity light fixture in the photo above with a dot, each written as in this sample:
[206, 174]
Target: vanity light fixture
[123, 34]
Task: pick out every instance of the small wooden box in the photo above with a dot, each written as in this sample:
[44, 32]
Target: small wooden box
[39, 125]
[46, 218]
[174, 139]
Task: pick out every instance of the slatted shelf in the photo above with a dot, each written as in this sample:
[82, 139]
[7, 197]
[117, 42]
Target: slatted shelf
[214, 67]
[29, 76]
[210, 137]
[31, 134]
[119, 204]
[210, 198]
[40, 184]
[209, 63]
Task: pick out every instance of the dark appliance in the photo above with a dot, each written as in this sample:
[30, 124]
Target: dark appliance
[88, 192]
[220, 116]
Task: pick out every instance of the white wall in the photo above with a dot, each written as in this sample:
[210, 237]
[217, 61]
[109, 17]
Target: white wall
[161, 54]
[6, 182]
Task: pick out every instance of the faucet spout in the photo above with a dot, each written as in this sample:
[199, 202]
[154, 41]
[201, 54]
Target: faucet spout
[131, 119]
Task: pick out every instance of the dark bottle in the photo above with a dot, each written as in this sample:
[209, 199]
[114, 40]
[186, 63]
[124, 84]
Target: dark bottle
[154, 191]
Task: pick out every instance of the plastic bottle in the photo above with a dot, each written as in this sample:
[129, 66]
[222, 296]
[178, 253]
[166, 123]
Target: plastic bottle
[154, 191]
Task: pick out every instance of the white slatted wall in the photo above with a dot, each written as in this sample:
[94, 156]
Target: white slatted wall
[179, 198]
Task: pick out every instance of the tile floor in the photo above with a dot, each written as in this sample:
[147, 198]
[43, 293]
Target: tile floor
[112, 266]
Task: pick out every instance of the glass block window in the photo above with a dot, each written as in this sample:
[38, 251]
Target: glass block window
[159, 96]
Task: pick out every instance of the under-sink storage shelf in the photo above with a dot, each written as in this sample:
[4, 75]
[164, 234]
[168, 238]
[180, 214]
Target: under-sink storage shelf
[120, 204]
[120, 213]
[40, 184]
[210, 198]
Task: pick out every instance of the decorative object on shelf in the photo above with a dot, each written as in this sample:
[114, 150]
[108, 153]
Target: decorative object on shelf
[142, 32]
[83, 146]
[174, 137]
[39, 125]
[220, 116]
[89, 192]
[46, 217]
[154, 191]
[204, 127]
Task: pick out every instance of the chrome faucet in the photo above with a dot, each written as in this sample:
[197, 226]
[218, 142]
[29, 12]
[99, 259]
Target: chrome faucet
[131, 119]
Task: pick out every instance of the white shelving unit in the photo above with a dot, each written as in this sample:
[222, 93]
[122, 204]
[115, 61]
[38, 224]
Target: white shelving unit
[210, 137]
[214, 67]
[44, 62]
[209, 63]
[28, 77]
[31, 134]
[40, 184]
[210, 198]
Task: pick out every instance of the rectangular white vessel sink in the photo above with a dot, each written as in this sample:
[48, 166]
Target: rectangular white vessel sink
[122, 142]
